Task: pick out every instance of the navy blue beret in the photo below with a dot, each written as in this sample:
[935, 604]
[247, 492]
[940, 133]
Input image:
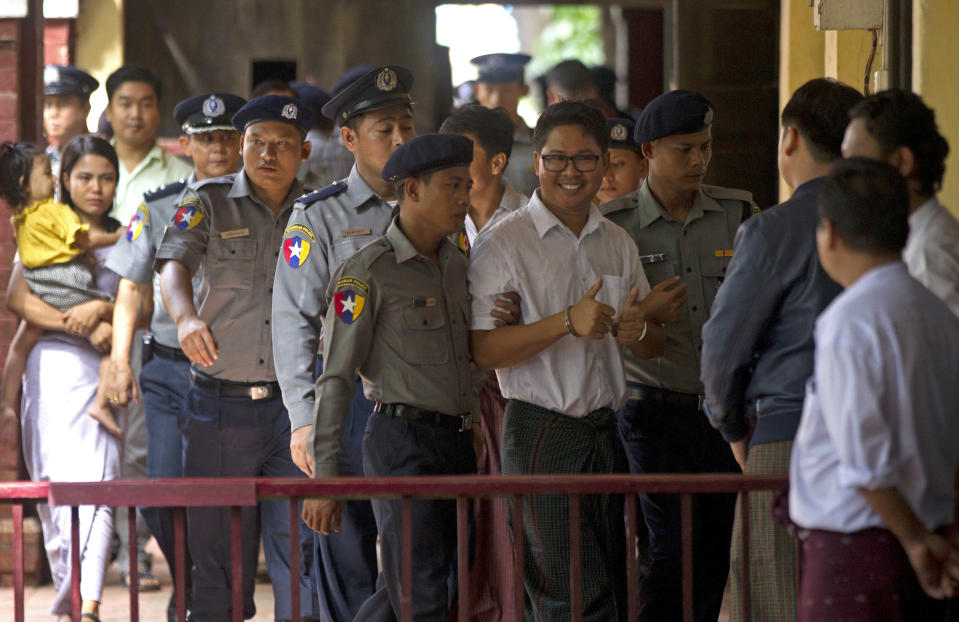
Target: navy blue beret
[207, 113]
[349, 77]
[282, 108]
[621, 134]
[68, 80]
[499, 68]
[377, 88]
[312, 96]
[427, 153]
[676, 112]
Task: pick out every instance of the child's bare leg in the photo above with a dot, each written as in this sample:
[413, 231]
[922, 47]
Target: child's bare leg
[100, 410]
[23, 341]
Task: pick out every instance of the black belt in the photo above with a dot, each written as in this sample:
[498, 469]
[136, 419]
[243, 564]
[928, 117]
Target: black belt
[171, 354]
[461, 423]
[665, 396]
[228, 388]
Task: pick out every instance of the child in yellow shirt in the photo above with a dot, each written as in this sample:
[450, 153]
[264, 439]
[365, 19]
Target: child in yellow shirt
[52, 245]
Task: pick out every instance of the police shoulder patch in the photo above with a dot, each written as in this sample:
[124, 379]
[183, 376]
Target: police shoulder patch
[349, 298]
[189, 213]
[298, 240]
[323, 193]
[165, 191]
[137, 222]
[734, 194]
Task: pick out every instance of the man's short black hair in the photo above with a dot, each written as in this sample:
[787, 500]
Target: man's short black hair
[897, 118]
[868, 203]
[587, 118]
[819, 111]
[573, 78]
[273, 85]
[131, 73]
[492, 129]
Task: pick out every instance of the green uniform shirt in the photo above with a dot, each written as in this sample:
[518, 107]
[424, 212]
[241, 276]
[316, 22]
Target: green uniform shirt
[698, 251]
[403, 323]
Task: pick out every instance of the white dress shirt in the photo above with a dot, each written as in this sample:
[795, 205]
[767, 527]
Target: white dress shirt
[534, 254]
[882, 406]
[932, 251]
[511, 201]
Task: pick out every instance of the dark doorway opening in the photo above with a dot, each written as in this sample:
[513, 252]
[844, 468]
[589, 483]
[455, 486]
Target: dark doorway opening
[284, 70]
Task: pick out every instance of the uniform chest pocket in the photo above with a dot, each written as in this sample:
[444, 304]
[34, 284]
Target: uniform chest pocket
[427, 338]
[658, 268]
[346, 247]
[232, 263]
[713, 271]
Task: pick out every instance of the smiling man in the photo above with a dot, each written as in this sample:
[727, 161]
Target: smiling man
[561, 366]
[684, 231]
[399, 313]
[229, 230]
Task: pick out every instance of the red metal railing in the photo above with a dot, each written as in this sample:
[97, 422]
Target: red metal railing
[236, 493]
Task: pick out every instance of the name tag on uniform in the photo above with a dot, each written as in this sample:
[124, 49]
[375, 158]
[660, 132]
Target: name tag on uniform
[658, 257]
[420, 302]
[351, 233]
[723, 253]
[235, 233]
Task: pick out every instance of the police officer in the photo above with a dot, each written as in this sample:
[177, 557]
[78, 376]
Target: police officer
[627, 167]
[408, 289]
[213, 144]
[500, 84]
[66, 105]
[375, 117]
[684, 231]
[229, 230]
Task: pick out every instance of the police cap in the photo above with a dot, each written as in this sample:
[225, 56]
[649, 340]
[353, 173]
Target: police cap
[282, 108]
[68, 80]
[427, 153]
[207, 113]
[499, 68]
[676, 112]
[349, 77]
[312, 96]
[621, 135]
[378, 88]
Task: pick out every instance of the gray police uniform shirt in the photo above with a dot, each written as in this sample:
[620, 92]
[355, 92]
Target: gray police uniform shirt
[326, 228]
[132, 257]
[403, 322]
[228, 237]
[698, 251]
[520, 171]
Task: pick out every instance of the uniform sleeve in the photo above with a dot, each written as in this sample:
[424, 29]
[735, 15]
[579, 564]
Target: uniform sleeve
[855, 408]
[637, 275]
[299, 303]
[187, 234]
[489, 275]
[738, 320]
[347, 338]
[132, 256]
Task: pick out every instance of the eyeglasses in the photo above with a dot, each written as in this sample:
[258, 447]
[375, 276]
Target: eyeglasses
[582, 163]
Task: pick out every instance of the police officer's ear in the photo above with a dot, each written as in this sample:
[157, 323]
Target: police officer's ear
[348, 136]
[185, 145]
[523, 90]
[647, 149]
[497, 164]
[411, 188]
[305, 148]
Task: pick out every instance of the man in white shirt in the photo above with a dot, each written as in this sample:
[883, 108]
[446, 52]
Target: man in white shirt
[579, 278]
[874, 463]
[898, 128]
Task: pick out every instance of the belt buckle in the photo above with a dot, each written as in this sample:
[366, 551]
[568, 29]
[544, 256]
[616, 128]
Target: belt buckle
[466, 422]
[259, 392]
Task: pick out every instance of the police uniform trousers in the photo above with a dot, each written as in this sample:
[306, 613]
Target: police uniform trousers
[398, 447]
[164, 381]
[666, 432]
[241, 437]
[537, 441]
[345, 562]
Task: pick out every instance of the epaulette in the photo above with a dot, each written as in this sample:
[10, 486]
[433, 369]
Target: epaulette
[718, 192]
[627, 201]
[368, 255]
[165, 191]
[323, 193]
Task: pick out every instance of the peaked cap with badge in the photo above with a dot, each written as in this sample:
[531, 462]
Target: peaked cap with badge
[500, 68]
[209, 112]
[378, 88]
[427, 153]
[68, 80]
[349, 77]
[621, 135]
[680, 111]
[282, 108]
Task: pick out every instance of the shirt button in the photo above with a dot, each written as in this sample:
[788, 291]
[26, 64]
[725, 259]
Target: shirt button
[262, 361]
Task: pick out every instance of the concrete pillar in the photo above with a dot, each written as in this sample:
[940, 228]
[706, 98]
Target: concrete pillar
[934, 48]
[846, 53]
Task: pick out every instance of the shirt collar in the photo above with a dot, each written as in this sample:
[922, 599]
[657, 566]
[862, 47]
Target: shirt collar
[404, 250]
[879, 274]
[650, 210]
[544, 220]
[357, 190]
[512, 200]
[242, 187]
[155, 153]
[923, 212]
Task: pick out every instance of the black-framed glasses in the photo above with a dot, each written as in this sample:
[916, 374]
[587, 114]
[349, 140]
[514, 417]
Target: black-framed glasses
[582, 163]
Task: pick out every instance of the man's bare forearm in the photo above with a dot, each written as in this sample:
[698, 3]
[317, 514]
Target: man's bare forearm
[176, 287]
[510, 345]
